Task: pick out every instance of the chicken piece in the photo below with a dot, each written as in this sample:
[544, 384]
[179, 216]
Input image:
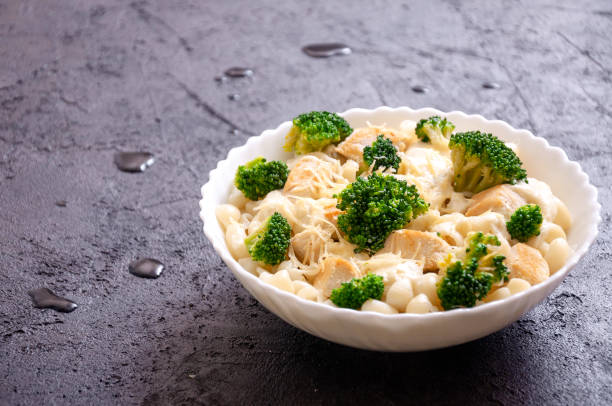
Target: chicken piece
[527, 263]
[333, 272]
[352, 147]
[417, 245]
[313, 177]
[331, 213]
[309, 245]
[500, 199]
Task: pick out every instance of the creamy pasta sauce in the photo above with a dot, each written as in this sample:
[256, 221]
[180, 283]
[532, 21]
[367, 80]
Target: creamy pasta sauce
[320, 259]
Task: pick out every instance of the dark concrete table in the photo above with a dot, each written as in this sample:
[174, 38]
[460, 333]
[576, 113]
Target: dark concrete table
[81, 81]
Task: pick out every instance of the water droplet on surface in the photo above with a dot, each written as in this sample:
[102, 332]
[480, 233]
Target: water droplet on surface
[238, 72]
[146, 268]
[61, 203]
[491, 85]
[43, 298]
[133, 161]
[233, 96]
[420, 89]
[221, 78]
[325, 50]
[235, 131]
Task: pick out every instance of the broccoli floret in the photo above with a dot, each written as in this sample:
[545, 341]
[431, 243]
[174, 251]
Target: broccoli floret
[466, 282]
[481, 161]
[525, 222]
[477, 245]
[315, 130]
[382, 154]
[354, 293]
[499, 271]
[434, 127]
[269, 244]
[258, 177]
[374, 207]
[463, 285]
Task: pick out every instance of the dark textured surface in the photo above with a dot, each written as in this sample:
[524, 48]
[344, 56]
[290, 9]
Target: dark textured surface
[80, 81]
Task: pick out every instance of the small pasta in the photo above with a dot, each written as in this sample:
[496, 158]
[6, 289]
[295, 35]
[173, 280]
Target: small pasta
[420, 304]
[551, 231]
[540, 244]
[299, 285]
[427, 285]
[280, 280]
[517, 285]
[227, 213]
[548, 233]
[400, 294]
[563, 217]
[237, 198]
[309, 293]
[295, 274]
[245, 219]
[373, 305]
[249, 265]
[498, 294]
[234, 238]
[558, 251]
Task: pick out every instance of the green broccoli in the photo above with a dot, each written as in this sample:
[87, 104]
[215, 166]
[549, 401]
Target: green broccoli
[477, 245]
[525, 222]
[500, 271]
[374, 207]
[315, 130]
[354, 293]
[466, 282]
[434, 127]
[481, 161]
[269, 244]
[258, 177]
[382, 154]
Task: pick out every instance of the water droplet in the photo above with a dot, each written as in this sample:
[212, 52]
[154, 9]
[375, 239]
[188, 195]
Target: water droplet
[146, 268]
[420, 89]
[491, 85]
[238, 72]
[235, 131]
[43, 298]
[221, 78]
[133, 161]
[61, 203]
[325, 50]
[233, 96]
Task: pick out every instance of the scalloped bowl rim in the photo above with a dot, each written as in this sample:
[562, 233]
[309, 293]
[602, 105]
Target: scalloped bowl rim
[208, 216]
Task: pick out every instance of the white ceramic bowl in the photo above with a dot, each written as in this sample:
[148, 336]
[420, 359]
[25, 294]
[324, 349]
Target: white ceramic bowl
[410, 332]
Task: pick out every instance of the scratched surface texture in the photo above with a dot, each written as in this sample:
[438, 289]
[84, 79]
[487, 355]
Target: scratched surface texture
[82, 80]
